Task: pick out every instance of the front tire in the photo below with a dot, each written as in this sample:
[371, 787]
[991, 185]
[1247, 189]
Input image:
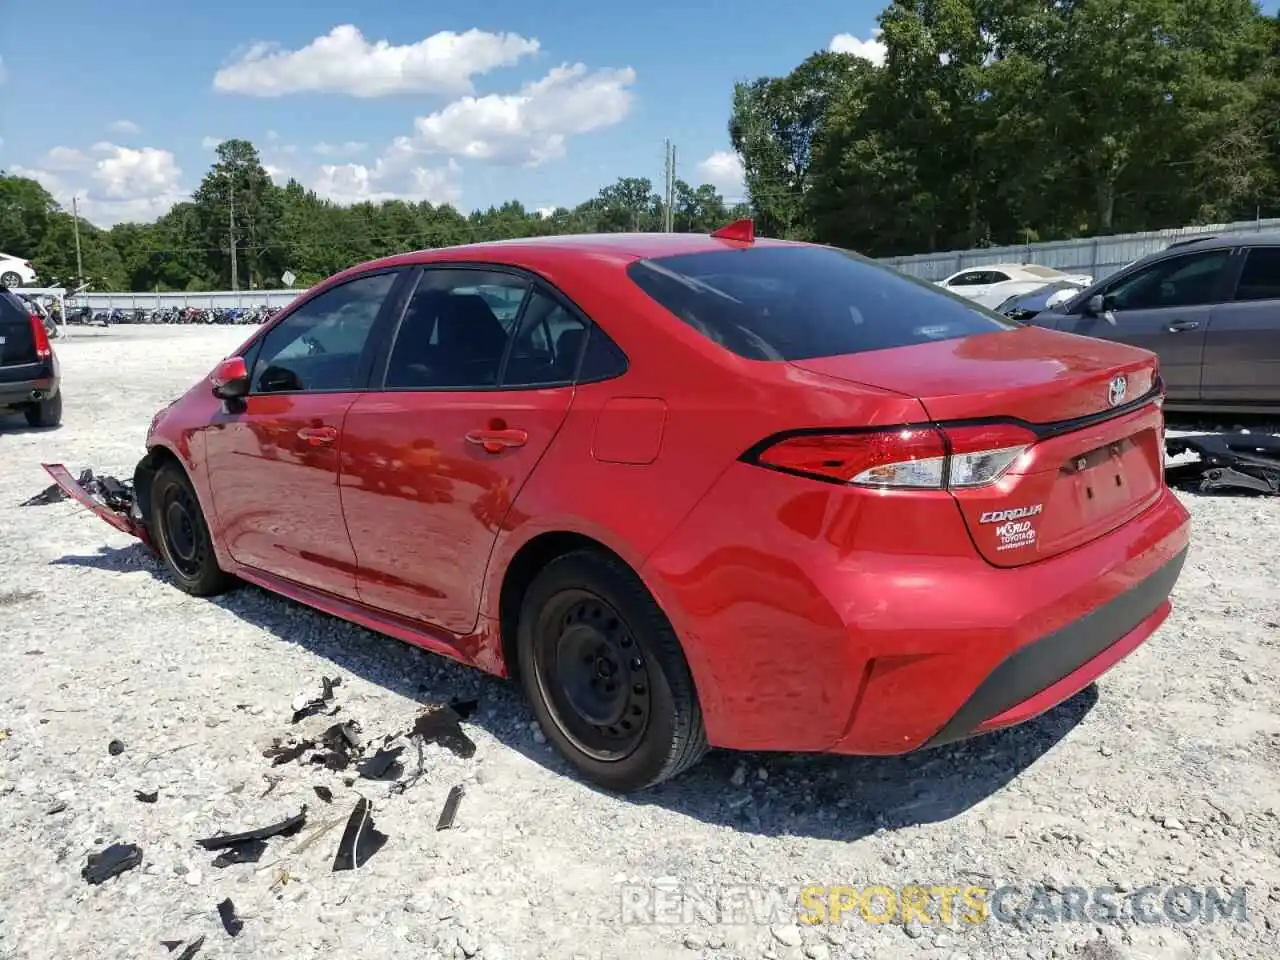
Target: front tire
[604, 672]
[45, 413]
[10, 279]
[182, 536]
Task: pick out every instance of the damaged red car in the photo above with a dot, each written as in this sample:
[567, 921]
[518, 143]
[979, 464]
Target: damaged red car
[690, 490]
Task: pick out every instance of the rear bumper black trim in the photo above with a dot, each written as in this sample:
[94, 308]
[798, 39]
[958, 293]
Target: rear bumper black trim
[19, 392]
[1042, 663]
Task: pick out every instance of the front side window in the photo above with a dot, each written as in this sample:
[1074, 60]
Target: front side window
[1176, 282]
[800, 302]
[319, 345]
[974, 278]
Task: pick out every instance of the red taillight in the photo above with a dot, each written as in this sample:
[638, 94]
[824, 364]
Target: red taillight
[40, 336]
[914, 457]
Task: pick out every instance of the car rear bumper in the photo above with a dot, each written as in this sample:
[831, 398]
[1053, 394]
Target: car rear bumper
[848, 634]
[17, 392]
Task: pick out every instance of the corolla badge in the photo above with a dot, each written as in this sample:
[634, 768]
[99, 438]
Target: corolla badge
[1117, 390]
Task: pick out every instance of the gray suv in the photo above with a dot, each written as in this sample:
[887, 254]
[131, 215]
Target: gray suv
[1210, 309]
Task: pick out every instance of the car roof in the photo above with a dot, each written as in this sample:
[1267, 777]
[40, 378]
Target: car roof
[1220, 240]
[620, 248]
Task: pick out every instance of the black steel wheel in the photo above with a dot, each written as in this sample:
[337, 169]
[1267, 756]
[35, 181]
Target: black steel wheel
[605, 674]
[181, 535]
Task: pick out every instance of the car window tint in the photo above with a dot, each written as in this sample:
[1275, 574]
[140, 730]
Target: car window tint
[602, 360]
[1176, 282]
[971, 279]
[548, 346]
[798, 302]
[1260, 278]
[995, 276]
[455, 330]
[319, 345]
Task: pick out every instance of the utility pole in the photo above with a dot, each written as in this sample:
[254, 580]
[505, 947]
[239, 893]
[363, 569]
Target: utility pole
[231, 190]
[234, 268]
[669, 187]
[75, 218]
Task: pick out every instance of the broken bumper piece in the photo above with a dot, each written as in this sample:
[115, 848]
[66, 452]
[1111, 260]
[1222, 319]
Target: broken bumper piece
[111, 499]
[1229, 462]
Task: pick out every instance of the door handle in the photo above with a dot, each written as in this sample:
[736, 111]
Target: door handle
[317, 436]
[495, 441]
[1180, 325]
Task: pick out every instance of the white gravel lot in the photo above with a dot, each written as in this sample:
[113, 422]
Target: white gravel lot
[1168, 773]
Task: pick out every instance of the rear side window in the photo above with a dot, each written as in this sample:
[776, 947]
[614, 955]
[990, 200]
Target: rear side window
[13, 312]
[1260, 278]
[796, 303]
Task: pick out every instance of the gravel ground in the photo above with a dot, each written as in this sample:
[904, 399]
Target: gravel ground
[1166, 773]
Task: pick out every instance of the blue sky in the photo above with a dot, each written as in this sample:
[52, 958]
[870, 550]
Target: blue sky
[543, 102]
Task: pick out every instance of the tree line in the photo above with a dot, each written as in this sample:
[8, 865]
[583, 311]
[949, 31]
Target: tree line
[291, 229]
[988, 122]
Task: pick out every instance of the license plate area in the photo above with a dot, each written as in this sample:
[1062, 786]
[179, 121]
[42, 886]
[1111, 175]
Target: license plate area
[1100, 479]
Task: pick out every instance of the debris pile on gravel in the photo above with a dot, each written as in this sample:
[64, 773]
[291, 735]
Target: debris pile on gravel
[1166, 774]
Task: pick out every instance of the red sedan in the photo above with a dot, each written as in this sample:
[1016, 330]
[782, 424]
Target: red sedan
[690, 490]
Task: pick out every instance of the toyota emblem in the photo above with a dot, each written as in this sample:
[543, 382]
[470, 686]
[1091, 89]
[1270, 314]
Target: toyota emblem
[1117, 391]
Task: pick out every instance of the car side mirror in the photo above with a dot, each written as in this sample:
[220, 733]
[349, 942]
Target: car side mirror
[1097, 306]
[230, 379]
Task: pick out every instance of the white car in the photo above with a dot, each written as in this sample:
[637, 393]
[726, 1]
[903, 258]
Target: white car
[993, 284]
[15, 272]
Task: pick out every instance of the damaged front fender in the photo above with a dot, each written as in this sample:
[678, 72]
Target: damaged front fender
[111, 499]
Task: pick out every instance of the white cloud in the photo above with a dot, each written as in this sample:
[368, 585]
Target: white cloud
[210, 143]
[125, 128]
[343, 61]
[723, 170]
[392, 177]
[113, 183]
[545, 212]
[350, 148]
[530, 126]
[872, 49]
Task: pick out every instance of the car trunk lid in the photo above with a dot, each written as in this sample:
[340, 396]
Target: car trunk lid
[1093, 457]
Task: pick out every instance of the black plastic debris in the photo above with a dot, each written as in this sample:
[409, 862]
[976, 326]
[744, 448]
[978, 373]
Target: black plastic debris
[143, 796]
[320, 703]
[250, 851]
[464, 708]
[108, 863]
[115, 748]
[324, 793]
[50, 494]
[230, 922]
[56, 808]
[341, 744]
[171, 945]
[383, 765]
[116, 494]
[360, 840]
[285, 828]
[441, 725]
[281, 754]
[450, 810]
[1229, 463]
[192, 949]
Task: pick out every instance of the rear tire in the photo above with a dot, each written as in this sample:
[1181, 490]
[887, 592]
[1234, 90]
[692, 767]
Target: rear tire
[180, 533]
[45, 413]
[10, 279]
[604, 672]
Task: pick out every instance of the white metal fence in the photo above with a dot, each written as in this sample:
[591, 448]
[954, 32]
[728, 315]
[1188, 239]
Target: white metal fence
[1098, 256]
[224, 299]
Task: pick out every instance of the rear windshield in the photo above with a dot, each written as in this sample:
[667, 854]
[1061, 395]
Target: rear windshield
[801, 302]
[13, 312]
